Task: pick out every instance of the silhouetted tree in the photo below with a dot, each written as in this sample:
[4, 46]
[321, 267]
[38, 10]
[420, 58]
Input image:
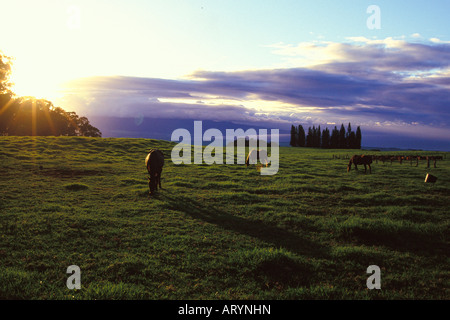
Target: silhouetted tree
[358, 138]
[309, 138]
[347, 134]
[5, 72]
[301, 136]
[7, 109]
[86, 129]
[352, 140]
[293, 141]
[326, 138]
[318, 142]
[6, 95]
[36, 117]
[334, 141]
[342, 140]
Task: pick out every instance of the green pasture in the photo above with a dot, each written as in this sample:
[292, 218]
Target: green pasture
[217, 231]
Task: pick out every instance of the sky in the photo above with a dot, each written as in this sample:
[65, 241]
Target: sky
[270, 63]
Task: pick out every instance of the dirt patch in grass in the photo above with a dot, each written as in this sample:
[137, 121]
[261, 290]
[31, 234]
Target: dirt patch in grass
[76, 186]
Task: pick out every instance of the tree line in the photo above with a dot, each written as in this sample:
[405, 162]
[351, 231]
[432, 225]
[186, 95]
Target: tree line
[28, 116]
[317, 138]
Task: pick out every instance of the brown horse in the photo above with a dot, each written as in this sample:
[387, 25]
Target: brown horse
[357, 160]
[154, 163]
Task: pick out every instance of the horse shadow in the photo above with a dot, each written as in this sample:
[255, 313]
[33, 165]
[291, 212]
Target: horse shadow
[279, 237]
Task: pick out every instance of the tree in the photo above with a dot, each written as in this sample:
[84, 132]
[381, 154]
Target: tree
[318, 138]
[86, 129]
[8, 108]
[36, 117]
[347, 134]
[62, 122]
[334, 140]
[6, 95]
[309, 138]
[315, 137]
[293, 141]
[352, 140]
[28, 116]
[5, 73]
[301, 136]
[342, 140]
[326, 138]
[358, 138]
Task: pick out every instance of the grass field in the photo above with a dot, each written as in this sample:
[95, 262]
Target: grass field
[216, 232]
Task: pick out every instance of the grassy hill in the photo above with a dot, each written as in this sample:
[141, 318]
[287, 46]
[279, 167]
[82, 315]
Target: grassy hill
[216, 232]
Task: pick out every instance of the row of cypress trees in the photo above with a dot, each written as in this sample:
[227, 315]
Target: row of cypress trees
[317, 138]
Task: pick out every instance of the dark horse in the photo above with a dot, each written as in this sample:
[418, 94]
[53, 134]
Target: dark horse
[363, 159]
[154, 163]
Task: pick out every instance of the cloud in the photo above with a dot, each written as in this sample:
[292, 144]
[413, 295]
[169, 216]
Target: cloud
[364, 81]
[361, 53]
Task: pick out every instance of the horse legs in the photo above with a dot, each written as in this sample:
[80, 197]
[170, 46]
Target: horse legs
[150, 185]
[159, 180]
[153, 182]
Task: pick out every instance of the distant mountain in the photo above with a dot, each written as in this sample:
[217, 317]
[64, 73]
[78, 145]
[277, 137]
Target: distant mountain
[388, 149]
[162, 128]
[157, 128]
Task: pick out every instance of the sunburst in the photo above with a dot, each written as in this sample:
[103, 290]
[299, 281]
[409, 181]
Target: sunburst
[34, 84]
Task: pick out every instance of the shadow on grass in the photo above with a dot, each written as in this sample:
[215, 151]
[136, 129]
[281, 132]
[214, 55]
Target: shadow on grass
[404, 240]
[277, 236]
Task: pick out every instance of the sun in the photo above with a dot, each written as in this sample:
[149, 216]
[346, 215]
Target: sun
[35, 84]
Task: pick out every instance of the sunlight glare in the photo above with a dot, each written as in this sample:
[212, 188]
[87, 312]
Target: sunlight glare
[26, 82]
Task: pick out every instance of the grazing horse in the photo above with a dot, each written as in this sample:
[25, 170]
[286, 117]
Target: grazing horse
[255, 155]
[154, 163]
[363, 159]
